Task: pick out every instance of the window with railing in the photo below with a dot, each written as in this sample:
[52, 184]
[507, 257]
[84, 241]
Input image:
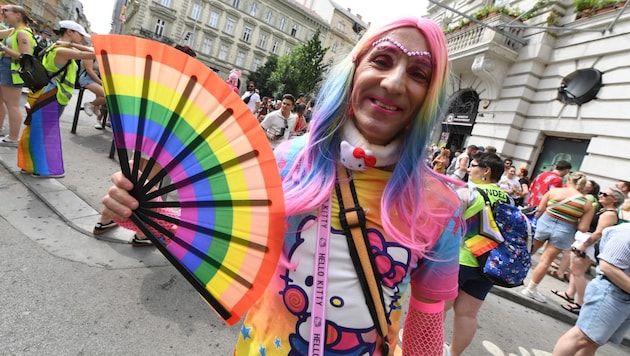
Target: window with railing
[269, 17]
[282, 24]
[275, 48]
[294, 30]
[159, 27]
[253, 8]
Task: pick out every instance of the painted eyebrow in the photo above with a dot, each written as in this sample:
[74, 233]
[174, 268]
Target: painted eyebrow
[402, 47]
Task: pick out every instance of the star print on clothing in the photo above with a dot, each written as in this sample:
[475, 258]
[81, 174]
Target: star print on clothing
[245, 332]
[278, 343]
[262, 350]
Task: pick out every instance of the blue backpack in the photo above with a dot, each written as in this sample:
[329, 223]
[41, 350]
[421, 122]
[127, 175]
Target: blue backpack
[507, 264]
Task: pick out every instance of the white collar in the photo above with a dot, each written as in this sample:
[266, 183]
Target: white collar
[385, 155]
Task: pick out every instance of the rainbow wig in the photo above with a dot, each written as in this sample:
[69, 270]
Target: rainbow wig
[423, 201]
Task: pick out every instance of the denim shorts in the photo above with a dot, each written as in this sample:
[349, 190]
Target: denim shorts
[85, 79]
[5, 73]
[473, 282]
[559, 233]
[605, 315]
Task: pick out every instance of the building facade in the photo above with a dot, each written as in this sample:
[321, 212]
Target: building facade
[47, 14]
[546, 83]
[229, 34]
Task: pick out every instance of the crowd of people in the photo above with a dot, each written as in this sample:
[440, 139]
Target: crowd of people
[572, 216]
[381, 101]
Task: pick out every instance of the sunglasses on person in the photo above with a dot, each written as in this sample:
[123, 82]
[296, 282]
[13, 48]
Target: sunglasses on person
[6, 10]
[604, 194]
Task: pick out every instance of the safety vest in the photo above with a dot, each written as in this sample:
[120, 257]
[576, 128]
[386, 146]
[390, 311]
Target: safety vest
[64, 81]
[15, 64]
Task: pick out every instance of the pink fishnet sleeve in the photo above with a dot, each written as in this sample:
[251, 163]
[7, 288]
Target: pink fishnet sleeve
[165, 211]
[424, 329]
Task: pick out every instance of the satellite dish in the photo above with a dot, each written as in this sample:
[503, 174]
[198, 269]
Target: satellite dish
[580, 86]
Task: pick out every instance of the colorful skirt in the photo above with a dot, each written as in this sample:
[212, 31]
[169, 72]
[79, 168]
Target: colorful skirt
[39, 150]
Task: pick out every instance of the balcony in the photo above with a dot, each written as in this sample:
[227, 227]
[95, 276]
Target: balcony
[474, 39]
[484, 51]
[153, 36]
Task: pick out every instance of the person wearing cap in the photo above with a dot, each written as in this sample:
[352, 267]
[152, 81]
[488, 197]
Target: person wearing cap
[39, 150]
[15, 41]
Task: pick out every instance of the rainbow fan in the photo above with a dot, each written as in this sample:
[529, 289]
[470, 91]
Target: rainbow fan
[226, 225]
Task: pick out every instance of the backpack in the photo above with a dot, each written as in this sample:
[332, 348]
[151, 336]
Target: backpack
[507, 264]
[33, 73]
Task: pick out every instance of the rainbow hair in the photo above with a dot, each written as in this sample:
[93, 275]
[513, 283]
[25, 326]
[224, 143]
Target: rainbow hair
[423, 201]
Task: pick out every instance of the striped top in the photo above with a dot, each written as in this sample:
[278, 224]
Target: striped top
[569, 212]
[615, 247]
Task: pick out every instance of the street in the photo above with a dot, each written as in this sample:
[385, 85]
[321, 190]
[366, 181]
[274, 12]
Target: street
[67, 293]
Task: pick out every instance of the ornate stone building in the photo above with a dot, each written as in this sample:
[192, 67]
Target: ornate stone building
[231, 34]
[47, 14]
[550, 83]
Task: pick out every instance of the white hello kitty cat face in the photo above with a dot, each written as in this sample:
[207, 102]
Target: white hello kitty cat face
[356, 158]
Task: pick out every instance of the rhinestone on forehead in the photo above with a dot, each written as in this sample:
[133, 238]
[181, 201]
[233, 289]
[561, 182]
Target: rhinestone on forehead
[402, 48]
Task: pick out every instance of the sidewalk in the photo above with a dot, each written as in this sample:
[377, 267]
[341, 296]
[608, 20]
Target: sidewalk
[76, 198]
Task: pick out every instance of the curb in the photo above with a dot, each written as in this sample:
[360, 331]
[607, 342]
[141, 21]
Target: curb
[70, 208]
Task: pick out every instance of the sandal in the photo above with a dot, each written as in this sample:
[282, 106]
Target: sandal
[141, 242]
[555, 275]
[101, 228]
[573, 308]
[563, 295]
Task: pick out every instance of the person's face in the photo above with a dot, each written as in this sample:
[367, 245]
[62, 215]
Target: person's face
[286, 106]
[76, 36]
[251, 87]
[9, 15]
[475, 172]
[506, 164]
[588, 187]
[511, 172]
[606, 197]
[390, 86]
[622, 186]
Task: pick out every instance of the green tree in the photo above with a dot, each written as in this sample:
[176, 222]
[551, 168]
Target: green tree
[301, 71]
[262, 75]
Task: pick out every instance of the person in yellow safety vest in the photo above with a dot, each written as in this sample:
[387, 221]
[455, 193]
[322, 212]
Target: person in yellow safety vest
[39, 150]
[15, 40]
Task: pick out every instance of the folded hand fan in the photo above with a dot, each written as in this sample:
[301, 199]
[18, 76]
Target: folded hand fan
[185, 122]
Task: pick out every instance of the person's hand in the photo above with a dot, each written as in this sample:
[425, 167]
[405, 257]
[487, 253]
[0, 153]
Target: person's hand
[119, 204]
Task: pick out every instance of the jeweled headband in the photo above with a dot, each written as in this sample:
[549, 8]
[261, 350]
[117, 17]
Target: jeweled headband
[402, 48]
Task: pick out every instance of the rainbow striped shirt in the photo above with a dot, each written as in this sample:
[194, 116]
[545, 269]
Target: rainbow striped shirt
[569, 212]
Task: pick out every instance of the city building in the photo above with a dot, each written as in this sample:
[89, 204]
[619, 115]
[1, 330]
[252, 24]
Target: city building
[239, 34]
[545, 83]
[47, 14]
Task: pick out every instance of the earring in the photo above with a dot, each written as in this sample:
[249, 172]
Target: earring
[483, 178]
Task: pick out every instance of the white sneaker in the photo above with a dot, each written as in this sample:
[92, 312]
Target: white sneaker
[98, 125]
[7, 142]
[89, 109]
[534, 294]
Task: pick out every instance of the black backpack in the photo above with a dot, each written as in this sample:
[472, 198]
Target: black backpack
[33, 73]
